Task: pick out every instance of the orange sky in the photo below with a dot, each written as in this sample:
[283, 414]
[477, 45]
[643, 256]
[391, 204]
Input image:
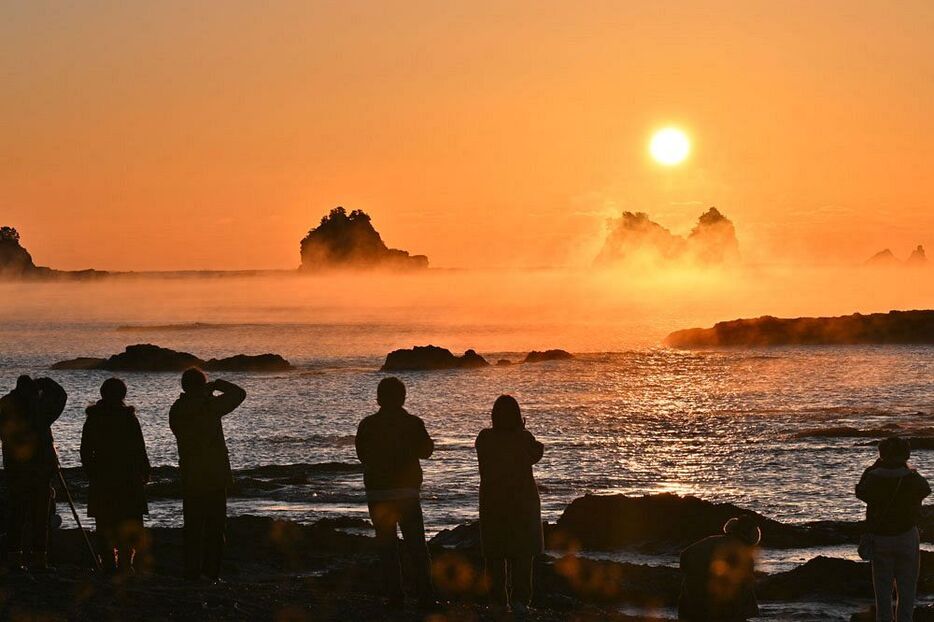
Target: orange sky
[163, 135]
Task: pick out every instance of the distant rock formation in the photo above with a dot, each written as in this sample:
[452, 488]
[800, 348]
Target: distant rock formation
[15, 260]
[548, 355]
[345, 240]
[635, 237]
[713, 240]
[430, 358]
[17, 263]
[883, 258]
[886, 258]
[917, 257]
[150, 358]
[894, 327]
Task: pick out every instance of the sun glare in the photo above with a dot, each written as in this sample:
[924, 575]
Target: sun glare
[669, 146]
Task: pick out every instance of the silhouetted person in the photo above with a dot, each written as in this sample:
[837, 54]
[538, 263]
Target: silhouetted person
[719, 575]
[195, 419]
[893, 493]
[29, 462]
[510, 509]
[114, 458]
[390, 444]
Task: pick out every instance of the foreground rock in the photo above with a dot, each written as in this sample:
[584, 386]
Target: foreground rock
[345, 240]
[667, 523]
[150, 358]
[548, 355]
[894, 327]
[430, 358]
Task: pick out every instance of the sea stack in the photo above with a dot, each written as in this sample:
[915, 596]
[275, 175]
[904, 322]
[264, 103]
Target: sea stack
[350, 241]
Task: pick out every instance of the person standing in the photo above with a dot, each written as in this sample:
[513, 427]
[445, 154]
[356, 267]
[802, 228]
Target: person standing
[195, 419]
[29, 462]
[510, 508]
[719, 574]
[893, 492]
[113, 454]
[390, 445]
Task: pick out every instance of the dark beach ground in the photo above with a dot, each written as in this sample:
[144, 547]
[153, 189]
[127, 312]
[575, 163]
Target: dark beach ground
[283, 571]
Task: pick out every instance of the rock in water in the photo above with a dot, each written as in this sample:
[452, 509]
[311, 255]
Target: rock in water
[15, 261]
[917, 257]
[427, 358]
[894, 327]
[883, 258]
[548, 355]
[636, 237]
[345, 240]
[147, 357]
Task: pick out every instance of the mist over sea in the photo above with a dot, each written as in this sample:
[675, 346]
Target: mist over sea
[627, 415]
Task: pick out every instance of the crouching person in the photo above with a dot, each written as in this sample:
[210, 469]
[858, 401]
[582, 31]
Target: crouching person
[114, 458]
[719, 579]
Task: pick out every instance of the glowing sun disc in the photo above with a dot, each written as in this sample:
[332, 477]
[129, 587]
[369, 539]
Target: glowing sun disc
[669, 146]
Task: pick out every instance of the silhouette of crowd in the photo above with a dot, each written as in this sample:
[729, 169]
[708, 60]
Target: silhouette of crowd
[718, 571]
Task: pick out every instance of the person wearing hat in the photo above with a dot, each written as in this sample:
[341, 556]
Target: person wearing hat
[113, 454]
[719, 574]
[893, 492]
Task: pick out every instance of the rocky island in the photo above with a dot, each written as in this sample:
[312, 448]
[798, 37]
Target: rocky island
[536, 356]
[634, 236]
[345, 240]
[17, 263]
[894, 327]
[147, 357]
[427, 358]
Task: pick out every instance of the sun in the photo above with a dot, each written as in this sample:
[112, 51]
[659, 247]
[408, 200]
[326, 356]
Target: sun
[669, 146]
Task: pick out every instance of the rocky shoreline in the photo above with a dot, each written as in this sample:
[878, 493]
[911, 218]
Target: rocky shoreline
[281, 570]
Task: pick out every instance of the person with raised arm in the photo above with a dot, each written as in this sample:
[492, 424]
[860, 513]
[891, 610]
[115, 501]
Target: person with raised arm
[390, 445]
[29, 463]
[195, 419]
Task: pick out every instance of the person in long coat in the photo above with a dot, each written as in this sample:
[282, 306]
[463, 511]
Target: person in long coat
[113, 454]
[510, 508]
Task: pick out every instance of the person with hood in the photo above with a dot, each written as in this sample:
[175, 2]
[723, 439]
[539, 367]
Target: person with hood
[390, 445]
[29, 463]
[893, 492]
[113, 454]
[204, 462]
[719, 575]
[510, 508]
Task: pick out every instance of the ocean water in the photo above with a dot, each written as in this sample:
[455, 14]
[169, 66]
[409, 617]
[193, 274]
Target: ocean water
[627, 415]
